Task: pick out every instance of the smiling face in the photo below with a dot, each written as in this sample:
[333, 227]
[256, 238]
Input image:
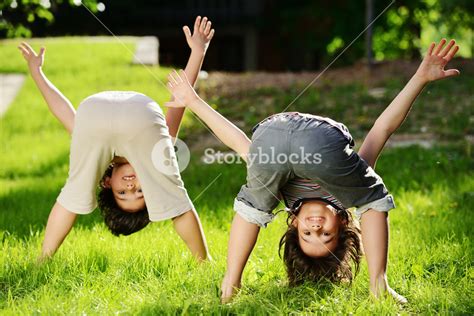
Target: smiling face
[318, 228]
[126, 188]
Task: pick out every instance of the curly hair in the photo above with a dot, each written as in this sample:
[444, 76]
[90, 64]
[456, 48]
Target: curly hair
[335, 267]
[117, 220]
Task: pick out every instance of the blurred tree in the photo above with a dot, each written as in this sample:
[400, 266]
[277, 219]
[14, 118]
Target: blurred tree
[398, 33]
[450, 19]
[292, 35]
[17, 16]
[310, 32]
[456, 17]
[369, 17]
[452, 13]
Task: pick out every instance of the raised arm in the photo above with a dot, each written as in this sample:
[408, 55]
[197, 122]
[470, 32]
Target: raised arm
[198, 41]
[431, 69]
[227, 132]
[58, 104]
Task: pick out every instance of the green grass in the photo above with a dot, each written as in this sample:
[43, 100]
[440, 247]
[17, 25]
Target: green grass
[151, 272]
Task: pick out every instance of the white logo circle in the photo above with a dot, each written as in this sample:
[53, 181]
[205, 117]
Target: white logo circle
[168, 158]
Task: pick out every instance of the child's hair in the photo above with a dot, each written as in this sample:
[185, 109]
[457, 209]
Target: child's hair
[335, 267]
[117, 220]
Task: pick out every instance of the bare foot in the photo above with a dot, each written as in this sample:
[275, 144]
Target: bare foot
[229, 289]
[383, 289]
[397, 297]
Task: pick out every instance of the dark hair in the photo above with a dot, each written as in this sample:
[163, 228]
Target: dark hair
[335, 267]
[117, 220]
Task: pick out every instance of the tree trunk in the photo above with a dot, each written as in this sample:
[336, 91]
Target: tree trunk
[369, 16]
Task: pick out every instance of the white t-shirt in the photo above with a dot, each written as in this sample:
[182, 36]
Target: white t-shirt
[130, 125]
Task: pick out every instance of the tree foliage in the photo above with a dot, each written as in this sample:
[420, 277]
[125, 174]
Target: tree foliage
[310, 33]
[399, 32]
[17, 16]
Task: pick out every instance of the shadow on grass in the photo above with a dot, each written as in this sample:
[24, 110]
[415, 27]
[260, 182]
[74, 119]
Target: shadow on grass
[25, 211]
[52, 167]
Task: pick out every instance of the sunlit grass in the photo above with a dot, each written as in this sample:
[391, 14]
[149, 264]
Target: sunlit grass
[151, 272]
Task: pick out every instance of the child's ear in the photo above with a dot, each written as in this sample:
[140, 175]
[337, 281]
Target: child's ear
[344, 221]
[105, 183]
[294, 221]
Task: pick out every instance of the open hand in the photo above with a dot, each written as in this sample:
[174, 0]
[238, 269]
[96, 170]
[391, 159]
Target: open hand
[201, 36]
[34, 60]
[432, 66]
[181, 89]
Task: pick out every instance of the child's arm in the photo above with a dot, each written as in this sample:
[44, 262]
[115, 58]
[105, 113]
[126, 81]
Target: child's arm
[431, 69]
[60, 220]
[227, 132]
[58, 104]
[198, 42]
[374, 224]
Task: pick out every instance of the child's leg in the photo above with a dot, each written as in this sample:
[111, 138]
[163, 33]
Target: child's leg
[265, 176]
[254, 203]
[375, 239]
[189, 228]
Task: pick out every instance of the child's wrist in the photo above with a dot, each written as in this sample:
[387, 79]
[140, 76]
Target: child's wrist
[198, 51]
[193, 102]
[34, 69]
[420, 79]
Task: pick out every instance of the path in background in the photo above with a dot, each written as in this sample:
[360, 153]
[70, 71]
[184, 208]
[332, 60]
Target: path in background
[146, 51]
[10, 85]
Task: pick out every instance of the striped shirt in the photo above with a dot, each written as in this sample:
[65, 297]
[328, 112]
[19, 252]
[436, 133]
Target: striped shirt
[299, 188]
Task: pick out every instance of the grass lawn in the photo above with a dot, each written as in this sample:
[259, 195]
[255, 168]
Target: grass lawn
[151, 272]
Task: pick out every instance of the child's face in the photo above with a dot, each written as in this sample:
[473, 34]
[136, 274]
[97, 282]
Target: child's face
[318, 228]
[126, 188]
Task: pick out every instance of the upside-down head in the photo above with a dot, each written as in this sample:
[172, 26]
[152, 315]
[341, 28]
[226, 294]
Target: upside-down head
[321, 242]
[121, 200]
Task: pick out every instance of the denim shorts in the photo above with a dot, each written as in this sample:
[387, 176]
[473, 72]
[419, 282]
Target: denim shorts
[289, 145]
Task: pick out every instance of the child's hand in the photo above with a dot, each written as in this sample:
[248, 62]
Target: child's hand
[432, 66]
[202, 35]
[181, 89]
[34, 60]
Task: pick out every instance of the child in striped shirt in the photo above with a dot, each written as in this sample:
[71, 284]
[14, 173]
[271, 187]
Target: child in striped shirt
[321, 240]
